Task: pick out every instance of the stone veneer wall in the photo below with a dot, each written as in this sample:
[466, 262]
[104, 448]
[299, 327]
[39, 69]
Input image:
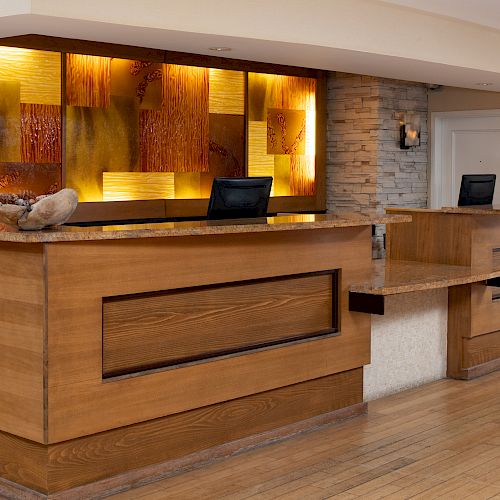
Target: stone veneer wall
[366, 169]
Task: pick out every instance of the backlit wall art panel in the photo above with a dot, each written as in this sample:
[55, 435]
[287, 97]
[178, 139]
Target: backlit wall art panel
[30, 121]
[281, 131]
[138, 129]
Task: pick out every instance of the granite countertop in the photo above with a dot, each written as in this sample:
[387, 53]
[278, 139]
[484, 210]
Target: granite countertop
[469, 210]
[196, 228]
[390, 277]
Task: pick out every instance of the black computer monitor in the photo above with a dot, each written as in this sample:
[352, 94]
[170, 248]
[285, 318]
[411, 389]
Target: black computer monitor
[477, 189]
[237, 198]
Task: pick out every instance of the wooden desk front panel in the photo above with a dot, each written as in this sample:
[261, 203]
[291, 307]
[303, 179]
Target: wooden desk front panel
[485, 249]
[22, 341]
[80, 274]
[161, 329]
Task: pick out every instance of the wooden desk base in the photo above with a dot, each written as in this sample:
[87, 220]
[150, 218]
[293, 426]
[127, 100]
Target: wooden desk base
[144, 452]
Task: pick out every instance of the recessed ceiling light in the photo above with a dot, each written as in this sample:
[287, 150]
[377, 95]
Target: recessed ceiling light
[220, 49]
[484, 84]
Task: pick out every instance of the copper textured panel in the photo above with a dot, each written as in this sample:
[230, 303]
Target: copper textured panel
[88, 80]
[226, 92]
[185, 103]
[226, 149]
[122, 186]
[302, 175]
[100, 140]
[30, 178]
[286, 130]
[40, 133]
[10, 122]
[151, 139]
[38, 73]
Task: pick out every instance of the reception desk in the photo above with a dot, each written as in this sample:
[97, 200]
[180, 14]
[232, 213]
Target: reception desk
[131, 351]
[464, 236]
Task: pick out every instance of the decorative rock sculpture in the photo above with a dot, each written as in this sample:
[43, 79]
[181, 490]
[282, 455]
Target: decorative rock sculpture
[43, 211]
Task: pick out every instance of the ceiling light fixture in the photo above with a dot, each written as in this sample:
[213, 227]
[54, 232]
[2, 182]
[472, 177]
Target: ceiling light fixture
[484, 84]
[220, 49]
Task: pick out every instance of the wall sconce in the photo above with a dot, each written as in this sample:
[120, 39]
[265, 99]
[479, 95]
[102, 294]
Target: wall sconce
[409, 132]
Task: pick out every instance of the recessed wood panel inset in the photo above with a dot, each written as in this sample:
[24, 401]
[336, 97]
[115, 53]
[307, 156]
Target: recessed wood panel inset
[167, 328]
[40, 133]
[88, 81]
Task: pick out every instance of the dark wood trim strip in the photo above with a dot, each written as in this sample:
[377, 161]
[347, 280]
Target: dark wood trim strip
[59, 44]
[93, 48]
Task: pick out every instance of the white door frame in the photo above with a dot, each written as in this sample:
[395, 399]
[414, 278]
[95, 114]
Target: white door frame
[438, 167]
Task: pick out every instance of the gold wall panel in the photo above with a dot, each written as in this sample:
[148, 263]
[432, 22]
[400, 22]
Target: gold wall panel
[40, 133]
[88, 80]
[286, 130]
[259, 162]
[281, 179]
[226, 93]
[185, 103]
[100, 140]
[187, 185]
[38, 73]
[10, 123]
[122, 186]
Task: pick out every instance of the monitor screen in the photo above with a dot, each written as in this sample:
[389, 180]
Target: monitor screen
[477, 189]
[237, 198]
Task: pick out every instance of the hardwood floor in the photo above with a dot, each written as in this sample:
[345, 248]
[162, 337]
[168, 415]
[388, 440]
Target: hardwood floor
[441, 440]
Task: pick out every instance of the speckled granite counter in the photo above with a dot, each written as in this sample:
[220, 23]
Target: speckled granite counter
[197, 228]
[391, 277]
[469, 210]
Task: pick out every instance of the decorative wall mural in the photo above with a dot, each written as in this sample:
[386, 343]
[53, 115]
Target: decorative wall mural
[142, 86]
[40, 133]
[88, 80]
[127, 119]
[286, 130]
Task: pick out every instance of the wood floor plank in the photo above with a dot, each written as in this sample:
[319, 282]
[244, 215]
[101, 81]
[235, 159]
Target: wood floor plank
[441, 440]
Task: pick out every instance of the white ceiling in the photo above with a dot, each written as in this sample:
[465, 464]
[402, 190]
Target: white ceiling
[483, 12]
[431, 41]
